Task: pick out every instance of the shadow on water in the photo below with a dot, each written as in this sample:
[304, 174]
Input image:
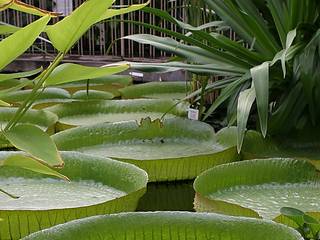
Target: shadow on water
[168, 196]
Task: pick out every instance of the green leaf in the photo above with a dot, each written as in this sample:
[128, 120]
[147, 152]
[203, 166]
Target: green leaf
[115, 12]
[69, 72]
[34, 141]
[17, 43]
[8, 76]
[4, 104]
[8, 29]
[313, 224]
[66, 32]
[290, 38]
[168, 226]
[27, 8]
[245, 101]
[294, 214]
[260, 78]
[30, 163]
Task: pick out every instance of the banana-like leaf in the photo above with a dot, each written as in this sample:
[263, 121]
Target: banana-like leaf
[115, 12]
[174, 149]
[41, 147]
[8, 76]
[156, 90]
[168, 225]
[69, 72]
[94, 112]
[46, 98]
[245, 101]
[23, 7]
[17, 43]
[98, 186]
[66, 32]
[260, 78]
[258, 188]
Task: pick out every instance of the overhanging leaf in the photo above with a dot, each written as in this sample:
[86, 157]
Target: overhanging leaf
[66, 32]
[17, 43]
[260, 78]
[69, 72]
[4, 104]
[30, 163]
[8, 29]
[34, 141]
[115, 12]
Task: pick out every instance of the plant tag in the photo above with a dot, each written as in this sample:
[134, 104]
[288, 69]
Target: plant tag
[193, 114]
[136, 74]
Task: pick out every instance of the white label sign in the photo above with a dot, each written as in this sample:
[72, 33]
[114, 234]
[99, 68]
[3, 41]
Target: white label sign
[193, 114]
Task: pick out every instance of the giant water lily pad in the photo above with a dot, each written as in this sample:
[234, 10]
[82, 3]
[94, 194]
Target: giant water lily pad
[46, 98]
[98, 186]
[109, 83]
[175, 149]
[41, 118]
[168, 226]
[85, 95]
[300, 144]
[259, 188]
[171, 90]
[93, 112]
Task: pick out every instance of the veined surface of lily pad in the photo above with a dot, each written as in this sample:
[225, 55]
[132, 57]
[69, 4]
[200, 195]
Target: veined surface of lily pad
[48, 97]
[110, 83]
[98, 186]
[164, 90]
[175, 149]
[259, 188]
[84, 95]
[93, 112]
[41, 118]
[168, 226]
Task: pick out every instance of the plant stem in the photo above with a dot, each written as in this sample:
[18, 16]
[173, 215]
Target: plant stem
[33, 95]
[8, 194]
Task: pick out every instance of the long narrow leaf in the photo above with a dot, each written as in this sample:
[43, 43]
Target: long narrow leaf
[245, 101]
[260, 77]
[8, 76]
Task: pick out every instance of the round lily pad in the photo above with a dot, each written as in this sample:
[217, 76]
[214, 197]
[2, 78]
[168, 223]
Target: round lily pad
[84, 95]
[48, 97]
[110, 84]
[168, 226]
[162, 90]
[93, 112]
[258, 188]
[176, 149]
[98, 186]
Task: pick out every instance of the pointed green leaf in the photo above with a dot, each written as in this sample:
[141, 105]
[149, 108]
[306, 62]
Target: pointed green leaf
[260, 78]
[115, 12]
[30, 163]
[17, 43]
[69, 72]
[4, 104]
[4, 77]
[34, 141]
[294, 214]
[290, 38]
[66, 33]
[245, 101]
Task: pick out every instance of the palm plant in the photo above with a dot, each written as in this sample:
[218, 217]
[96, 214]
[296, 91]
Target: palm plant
[274, 70]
